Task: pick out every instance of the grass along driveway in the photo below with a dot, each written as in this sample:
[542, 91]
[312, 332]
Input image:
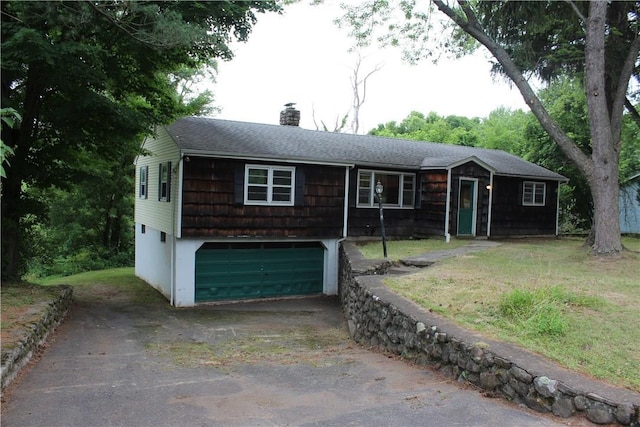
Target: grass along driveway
[547, 295]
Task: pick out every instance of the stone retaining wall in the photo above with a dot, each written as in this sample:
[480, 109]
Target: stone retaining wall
[19, 356]
[378, 318]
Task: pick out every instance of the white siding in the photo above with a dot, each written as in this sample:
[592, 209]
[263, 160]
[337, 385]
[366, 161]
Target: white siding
[151, 211]
[153, 259]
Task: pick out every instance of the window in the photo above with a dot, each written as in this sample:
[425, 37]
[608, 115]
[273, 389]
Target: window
[163, 236]
[143, 228]
[164, 181]
[144, 175]
[269, 185]
[399, 189]
[533, 193]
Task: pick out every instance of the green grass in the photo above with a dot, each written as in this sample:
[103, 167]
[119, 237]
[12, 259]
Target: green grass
[115, 276]
[399, 249]
[100, 285]
[547, 295]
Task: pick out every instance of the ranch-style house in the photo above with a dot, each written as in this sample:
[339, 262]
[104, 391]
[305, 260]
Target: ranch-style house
[229, 210]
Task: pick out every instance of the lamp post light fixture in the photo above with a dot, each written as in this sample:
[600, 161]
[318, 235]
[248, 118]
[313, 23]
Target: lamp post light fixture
[379, 190]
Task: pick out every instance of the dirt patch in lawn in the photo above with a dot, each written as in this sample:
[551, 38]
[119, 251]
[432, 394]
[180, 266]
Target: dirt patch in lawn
[22, 305]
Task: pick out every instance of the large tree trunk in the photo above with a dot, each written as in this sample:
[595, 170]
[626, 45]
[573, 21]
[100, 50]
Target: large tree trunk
[602, 174]
[10, 213]
[14, 206]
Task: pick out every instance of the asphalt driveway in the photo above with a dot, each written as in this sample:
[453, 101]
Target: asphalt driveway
[118, 362]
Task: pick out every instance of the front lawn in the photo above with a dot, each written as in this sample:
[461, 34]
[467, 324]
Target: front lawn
[399, 249]
[548, 295]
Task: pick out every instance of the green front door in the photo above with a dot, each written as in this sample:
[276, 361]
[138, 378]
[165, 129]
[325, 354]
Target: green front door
[466, 208]
[258, 270]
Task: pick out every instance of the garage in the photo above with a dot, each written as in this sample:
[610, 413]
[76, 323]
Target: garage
[232, 271]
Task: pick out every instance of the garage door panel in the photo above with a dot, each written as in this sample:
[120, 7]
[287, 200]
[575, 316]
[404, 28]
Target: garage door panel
[233, 271]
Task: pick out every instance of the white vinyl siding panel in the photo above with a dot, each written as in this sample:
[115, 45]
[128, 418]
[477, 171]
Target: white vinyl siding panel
[152, 212]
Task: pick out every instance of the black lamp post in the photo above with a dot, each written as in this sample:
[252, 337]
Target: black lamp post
[379, 190]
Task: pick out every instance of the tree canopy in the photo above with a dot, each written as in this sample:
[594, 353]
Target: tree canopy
[89, 79]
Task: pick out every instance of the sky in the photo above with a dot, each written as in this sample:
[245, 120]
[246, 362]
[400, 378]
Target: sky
[301, 56]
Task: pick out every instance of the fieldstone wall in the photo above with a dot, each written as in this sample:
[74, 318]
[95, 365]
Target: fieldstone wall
[52, 315]
[378, 318]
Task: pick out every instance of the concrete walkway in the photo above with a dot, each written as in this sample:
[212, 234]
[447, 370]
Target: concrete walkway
[429, 258]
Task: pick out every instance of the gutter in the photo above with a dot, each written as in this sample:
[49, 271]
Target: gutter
[490, 205]
[345, 215]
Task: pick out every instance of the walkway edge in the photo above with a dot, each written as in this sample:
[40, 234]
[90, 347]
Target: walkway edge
[379, 318]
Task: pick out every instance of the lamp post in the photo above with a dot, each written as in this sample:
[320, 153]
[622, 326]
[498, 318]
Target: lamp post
[379, 190]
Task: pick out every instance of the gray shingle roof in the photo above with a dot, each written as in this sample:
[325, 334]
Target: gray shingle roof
[255, 140]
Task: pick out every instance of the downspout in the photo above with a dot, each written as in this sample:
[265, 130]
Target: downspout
[447, 236]
[174, 234]
[490, 204]
[173, 255]
[345, 215]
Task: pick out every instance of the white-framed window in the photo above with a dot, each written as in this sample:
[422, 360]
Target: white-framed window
[143, 192]
[164, 181]
[534, 193]
[269, 185]
[399, 189]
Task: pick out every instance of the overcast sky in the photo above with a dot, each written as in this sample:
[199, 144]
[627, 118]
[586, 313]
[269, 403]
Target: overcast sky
[301, 57]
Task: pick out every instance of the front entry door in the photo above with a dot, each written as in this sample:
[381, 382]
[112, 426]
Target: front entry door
[467, 208]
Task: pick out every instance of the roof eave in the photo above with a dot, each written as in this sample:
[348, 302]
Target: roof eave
[266, 158]
[559, 178]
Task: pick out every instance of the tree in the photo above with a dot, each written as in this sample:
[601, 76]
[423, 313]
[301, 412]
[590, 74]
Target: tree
[89, 79]
[9, 117]
[451, 129]
[359, 91]
[599, 41]
[359, 87]
[565, 100]
[504, 129]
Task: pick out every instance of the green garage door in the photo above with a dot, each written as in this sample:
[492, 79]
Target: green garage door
[227, 271]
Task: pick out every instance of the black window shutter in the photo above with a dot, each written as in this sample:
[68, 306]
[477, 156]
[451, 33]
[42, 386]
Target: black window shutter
[299, 201]
[146, 183]
[353, 188]
[238, 185]
[520, 201]
[168, 181]
[160, 181]
[418, 190]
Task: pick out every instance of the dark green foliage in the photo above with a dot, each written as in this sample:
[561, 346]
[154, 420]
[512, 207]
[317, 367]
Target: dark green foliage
[547, 38]
[90, 79]
[451, 129]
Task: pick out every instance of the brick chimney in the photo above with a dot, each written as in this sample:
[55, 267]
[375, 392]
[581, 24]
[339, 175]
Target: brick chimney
[290, 116]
